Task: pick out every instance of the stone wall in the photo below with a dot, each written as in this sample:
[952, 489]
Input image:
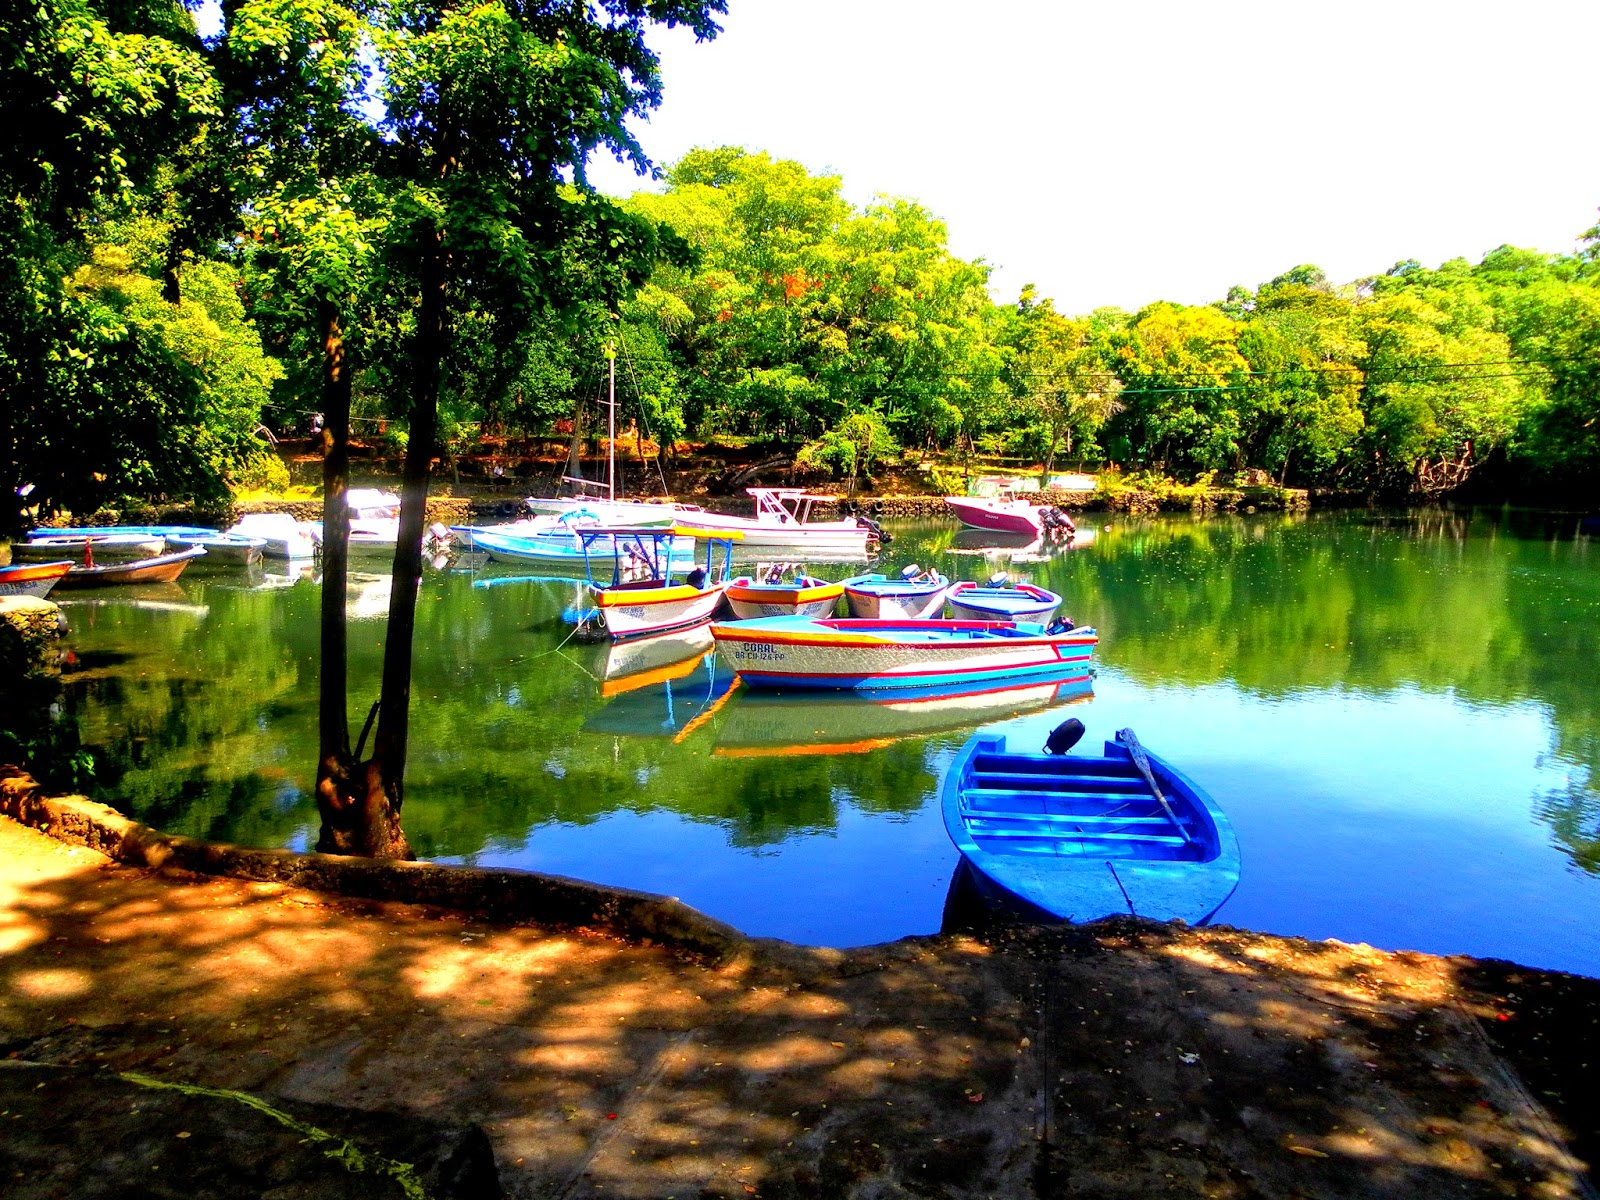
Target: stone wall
[30, 630]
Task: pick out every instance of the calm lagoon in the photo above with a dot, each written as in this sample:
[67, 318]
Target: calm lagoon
[1400, 713]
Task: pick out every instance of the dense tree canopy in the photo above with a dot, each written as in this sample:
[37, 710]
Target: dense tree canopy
[182, 221]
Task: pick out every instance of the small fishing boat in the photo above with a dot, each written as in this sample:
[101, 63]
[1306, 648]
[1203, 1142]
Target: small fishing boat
[222, 548]
[164, 568]
[1001, 600]
[119, 547]
[150, 531]
[1077, 838]
[643, 596]
[782, 590]
[32, 579]
[794, 652]
[783, 524]
[562, 548]
[913, 595]
[283, 536]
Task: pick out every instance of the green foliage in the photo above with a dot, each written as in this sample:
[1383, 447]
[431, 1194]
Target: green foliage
[850, 449]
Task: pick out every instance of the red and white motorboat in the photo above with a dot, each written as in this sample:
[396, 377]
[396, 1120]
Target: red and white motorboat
[1004, 514]
[1008, 514]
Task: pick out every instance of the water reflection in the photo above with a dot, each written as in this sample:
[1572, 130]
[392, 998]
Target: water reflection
[1347, 683]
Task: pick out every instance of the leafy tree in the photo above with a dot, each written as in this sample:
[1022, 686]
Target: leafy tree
[1059, 377]
[101, 391]
[1179, 366]
[491, 113]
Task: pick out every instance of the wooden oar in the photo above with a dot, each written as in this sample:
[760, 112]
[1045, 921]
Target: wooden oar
[1136, 751]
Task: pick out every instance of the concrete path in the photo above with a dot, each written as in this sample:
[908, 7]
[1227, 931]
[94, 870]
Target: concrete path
[1116, 1061]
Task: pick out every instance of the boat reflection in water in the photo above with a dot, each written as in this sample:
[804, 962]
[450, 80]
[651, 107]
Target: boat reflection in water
[662, 686]
[762, 723]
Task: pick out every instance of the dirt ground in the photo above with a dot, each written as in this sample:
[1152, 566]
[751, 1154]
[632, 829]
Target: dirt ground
[1109, 1061]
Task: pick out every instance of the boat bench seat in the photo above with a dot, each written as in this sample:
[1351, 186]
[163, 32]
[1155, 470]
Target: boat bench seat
[1134, 784]
[1068, 818]
[1011, 794]
[1051, 835]
[1026, 764]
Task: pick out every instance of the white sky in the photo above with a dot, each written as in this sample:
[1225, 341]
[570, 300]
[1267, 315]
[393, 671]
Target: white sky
[1131, 150]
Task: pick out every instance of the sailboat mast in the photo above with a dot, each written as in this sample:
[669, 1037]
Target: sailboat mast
[611, 424]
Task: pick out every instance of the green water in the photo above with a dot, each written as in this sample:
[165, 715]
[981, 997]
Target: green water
[1401, 714]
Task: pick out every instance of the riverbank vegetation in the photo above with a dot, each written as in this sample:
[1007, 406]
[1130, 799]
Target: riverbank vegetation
[187, 220]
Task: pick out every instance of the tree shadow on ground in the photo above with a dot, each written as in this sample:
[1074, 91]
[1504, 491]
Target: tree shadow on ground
[1120, 1059]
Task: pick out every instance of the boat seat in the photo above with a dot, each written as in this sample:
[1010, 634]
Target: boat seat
[1046, 835]
[1029, 764]
[1065, 819]
[1013, 793]
[1135, 784]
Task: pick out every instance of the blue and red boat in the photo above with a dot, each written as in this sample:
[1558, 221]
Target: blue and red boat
[857, 654]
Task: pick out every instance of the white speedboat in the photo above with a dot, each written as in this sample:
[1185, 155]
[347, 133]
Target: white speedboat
[282, 536]
[783, 523]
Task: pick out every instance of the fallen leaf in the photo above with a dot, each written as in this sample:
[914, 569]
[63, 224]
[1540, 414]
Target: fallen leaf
[1308, 1152]
[975, 1098]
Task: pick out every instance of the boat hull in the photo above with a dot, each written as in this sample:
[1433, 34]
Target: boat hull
[766, 723]
[631, 611]
[812, 541]
[224, 549]
[861, 655]
[559, 549]
[114, 547]
[1002, 516]
[1080, 838]
[969, 602]
[163, 569]
[282, 536]
[878, 598]
[32, 579]
[750, 600]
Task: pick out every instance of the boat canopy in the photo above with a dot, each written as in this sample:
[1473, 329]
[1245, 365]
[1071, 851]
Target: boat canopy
[650, 548]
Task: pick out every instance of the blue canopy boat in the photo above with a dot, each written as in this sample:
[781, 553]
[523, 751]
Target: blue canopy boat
[1078, 838]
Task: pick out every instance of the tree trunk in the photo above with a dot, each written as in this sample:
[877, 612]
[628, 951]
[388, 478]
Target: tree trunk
[1049, 460]
[385, 775]
[350, 824]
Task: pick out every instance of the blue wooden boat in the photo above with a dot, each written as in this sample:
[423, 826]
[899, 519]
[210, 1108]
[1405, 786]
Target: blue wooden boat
[1077, 838]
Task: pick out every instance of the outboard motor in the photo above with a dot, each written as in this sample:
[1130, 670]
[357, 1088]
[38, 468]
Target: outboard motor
[1064, 736]
[696, 578]
[910, 571]
[1056, 520]
[999, 580]
[1064, 625]
[878, 532]
[437, 539]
